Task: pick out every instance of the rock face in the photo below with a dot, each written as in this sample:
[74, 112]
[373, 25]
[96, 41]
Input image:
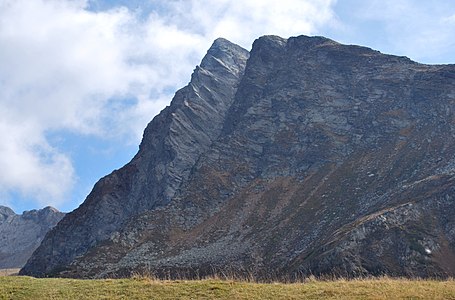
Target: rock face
[304, 156]
[20, 235]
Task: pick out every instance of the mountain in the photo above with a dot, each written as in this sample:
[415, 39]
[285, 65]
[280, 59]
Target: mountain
[304, 156]
[20, 235]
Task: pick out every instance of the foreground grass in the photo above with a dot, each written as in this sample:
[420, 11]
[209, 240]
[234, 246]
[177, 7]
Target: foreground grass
[14, 287]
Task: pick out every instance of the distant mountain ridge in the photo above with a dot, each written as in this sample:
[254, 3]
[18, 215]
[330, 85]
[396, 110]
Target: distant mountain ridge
[302, 156]
[20, 235]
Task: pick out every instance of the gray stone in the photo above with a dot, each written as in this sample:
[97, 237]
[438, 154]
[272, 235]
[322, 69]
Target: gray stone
[313, 158]
[20, 235]
[172, 143]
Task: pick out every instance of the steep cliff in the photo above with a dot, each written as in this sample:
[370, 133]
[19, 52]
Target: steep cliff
[172, 143]
[20, 235]
[315, 158]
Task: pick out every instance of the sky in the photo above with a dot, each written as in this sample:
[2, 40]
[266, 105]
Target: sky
[80, 79]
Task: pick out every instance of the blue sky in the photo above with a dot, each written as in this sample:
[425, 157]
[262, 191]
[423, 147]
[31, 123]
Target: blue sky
[80, 80]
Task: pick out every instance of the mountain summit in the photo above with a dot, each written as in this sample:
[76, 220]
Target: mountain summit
[304, 156]
[20, 235]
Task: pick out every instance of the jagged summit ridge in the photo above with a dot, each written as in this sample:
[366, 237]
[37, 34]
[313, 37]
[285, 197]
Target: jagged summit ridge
[304, 156]
[5, 212]
[20, 235]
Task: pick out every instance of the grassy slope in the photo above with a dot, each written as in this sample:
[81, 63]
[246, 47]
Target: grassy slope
[31, 288]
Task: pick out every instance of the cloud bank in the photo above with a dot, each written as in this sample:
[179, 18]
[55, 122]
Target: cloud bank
[106, 73]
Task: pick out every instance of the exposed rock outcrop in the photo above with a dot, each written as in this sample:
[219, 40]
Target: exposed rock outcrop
[313, 158]
[172, 143]
[20, 235]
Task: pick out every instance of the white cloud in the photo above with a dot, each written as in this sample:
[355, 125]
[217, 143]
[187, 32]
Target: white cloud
[30, 166]
[244, 21]
[108, 73]
[449, 19]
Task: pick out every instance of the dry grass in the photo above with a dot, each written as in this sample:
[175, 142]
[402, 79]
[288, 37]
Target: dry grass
[9, 272]
[18, 287]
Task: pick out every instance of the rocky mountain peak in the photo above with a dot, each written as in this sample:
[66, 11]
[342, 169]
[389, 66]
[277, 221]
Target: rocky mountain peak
[224, 48]
[304, 41]
[270, 41]
[5, 212]
[304, 156]
[172, 143]
[50, 209]
[224, 55]
[20, 235]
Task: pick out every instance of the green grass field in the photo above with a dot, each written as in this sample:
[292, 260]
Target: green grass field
[16, 287]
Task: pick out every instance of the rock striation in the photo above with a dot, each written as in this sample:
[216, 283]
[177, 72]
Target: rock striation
[304, 156]
[20, 235]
